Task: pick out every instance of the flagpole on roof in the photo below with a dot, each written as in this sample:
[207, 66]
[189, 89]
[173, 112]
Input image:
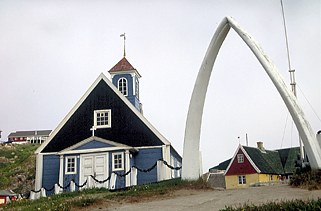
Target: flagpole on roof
[291, 71]
[124, 36]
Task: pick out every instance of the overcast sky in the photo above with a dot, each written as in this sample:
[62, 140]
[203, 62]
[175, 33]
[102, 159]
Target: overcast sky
[52, 51]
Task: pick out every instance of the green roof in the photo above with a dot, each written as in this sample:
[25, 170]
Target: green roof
[288, 157]
[280, 161]
[223, 165]
[267, 161]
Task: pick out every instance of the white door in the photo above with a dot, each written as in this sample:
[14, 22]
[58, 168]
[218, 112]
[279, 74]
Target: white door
[96, 165]
[88, 168]
[100, 170]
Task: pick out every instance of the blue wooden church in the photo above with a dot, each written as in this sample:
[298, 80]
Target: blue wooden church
[105, 141]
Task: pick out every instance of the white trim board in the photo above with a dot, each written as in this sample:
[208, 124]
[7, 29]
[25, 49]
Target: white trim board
[85, 151]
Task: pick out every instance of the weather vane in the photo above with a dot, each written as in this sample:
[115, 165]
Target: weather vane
[124, 36]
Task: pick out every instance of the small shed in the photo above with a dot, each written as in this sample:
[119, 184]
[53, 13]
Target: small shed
[6, 196]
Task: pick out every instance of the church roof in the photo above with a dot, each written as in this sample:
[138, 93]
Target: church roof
[130, 127]
[122, 65]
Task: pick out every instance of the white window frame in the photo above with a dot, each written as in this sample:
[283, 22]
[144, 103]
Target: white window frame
[240, 158]
[241, 180]
[123, 90]
[113, 161]
[108, 125]
[137, 88]
[66, 164]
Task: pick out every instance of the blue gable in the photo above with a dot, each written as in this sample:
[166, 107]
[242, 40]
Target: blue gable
[94, 144]
[126, 127]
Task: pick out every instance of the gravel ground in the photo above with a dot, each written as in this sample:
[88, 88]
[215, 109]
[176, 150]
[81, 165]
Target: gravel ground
[218, 199]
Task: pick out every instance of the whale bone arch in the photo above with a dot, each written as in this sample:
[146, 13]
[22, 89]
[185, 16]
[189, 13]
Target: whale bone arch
[191, 169]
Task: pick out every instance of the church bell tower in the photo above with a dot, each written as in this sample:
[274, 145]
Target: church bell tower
[126, 78]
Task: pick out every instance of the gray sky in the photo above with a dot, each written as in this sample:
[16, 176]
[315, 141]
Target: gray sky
[52, 51]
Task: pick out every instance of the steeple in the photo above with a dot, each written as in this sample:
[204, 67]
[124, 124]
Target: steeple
[126, 78]
[124, 36]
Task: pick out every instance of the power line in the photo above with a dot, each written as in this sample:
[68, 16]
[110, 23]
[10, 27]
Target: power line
[286, 122]
[309, 104]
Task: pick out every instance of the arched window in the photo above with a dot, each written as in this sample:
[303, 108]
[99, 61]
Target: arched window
[122, 86]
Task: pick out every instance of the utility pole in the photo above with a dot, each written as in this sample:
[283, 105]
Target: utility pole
[292, 76]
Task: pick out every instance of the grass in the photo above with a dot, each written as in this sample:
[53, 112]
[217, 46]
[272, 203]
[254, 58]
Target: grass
[96, 197]
[64, 201]
[287, 205]
[155, 190]
[16, 160]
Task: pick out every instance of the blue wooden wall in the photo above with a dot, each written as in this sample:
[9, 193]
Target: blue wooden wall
[50, 172]
[131, 97]
[144, 159]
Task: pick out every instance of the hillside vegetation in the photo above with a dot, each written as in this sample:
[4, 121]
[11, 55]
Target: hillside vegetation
[17, 167]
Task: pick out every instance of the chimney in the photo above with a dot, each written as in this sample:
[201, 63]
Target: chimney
[260, 145]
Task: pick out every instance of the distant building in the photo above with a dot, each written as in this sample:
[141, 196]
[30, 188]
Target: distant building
[6, 196]
[251, 166]
[32, 137]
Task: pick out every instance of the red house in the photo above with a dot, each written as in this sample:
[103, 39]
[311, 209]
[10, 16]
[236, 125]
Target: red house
[6, 196]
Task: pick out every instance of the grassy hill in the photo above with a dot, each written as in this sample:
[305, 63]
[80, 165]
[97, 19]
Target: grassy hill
[17, 167]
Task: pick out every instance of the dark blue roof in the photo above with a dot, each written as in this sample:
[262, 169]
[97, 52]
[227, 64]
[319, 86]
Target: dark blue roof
[127, 128]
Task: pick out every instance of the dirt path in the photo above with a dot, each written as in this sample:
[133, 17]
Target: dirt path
[218, 199]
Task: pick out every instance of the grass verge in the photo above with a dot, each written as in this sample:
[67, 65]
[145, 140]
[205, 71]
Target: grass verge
[104, 197]
[272, 206]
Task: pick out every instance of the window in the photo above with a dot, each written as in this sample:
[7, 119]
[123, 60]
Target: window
[137, 88]
[122, 86]
[71, 165]
[118, 161]
[172, 164]
[179, 171]
[240, 158]
[102, 118]
[242, 180]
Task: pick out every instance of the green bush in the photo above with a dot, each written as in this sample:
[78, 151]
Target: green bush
[310, 179]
